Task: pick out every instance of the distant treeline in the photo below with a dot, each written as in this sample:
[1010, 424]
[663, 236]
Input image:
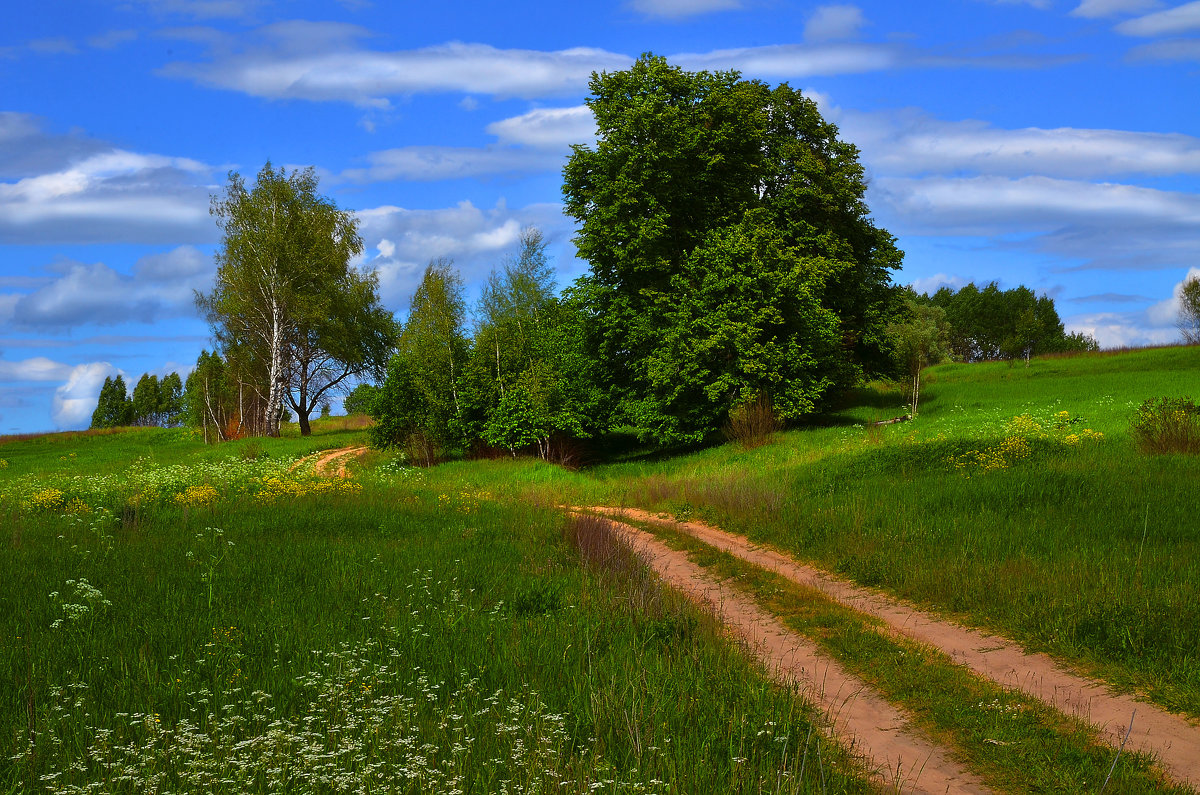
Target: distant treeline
[990, 323]
[154, 402]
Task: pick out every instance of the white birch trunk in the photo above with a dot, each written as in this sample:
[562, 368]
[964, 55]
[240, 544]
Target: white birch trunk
[275, 373]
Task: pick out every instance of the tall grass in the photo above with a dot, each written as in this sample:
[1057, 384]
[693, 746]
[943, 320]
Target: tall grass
[403, 638]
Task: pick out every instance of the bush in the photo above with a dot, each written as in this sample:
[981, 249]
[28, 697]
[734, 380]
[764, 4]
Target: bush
[752, 424]
[1167, 425]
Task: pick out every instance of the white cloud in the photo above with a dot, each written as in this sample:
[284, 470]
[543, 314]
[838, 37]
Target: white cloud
[320, 61]
[1169, 22]
[829, 23]
[678, 9]
[1120, 329]
[38, 368]
[1099, 225]
[547, 128]
[160, 286]
[1165, 313]
[1093, 9]
[476, 239]
[1168, 50]
[535, 141]
[797, 60]
[428, 163]
[75, 401]
[910, 142]
[108, 196]
[931, 284]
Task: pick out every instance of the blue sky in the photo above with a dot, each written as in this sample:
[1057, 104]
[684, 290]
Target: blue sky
[1051, 143]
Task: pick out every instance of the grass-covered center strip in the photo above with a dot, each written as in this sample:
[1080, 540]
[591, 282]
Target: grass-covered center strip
[1014, 742]
[399, 639]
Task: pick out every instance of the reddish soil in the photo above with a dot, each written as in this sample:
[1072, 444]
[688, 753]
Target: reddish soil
[326, 458]
[1173, 739]
[325, 464]
[898, 754]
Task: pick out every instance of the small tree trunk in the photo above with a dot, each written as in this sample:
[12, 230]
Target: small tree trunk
[916, 392]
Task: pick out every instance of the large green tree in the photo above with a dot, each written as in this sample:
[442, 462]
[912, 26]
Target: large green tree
[113, 408]
[703, 181]
[286, 306]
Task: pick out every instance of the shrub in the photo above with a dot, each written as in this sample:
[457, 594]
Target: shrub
[752, 424]
[1167, 425]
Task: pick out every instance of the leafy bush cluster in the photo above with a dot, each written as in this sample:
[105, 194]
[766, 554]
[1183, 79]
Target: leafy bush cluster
[1167, 425]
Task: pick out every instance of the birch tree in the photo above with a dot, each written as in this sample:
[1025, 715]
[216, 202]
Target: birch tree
[284, 249]
[1189, 310]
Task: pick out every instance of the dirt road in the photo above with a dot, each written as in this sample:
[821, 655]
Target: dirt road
[1173, 739]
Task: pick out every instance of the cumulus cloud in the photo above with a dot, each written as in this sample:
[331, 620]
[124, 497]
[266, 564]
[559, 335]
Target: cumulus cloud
[159, 286]
[678, 9]
[109, 196]
[547, 128]
[476, 239]
[75, 401]
[911, 142]
[1169, 22]
[829, 23]
[1093, 9]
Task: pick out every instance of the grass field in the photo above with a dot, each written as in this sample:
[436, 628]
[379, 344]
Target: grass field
[223, 626]
[198, 618]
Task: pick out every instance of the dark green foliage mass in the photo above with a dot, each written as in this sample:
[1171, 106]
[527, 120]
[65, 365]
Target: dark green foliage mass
[1004, 324]
[730, 246]
[113, 408]
[145, 400]
[361, 399]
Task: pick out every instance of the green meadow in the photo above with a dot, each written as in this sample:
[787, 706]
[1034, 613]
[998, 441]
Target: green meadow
[179, 617]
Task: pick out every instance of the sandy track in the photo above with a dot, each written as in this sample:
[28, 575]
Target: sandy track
[898, 754]
[325, 463]
[326, 459]
[1173, 739]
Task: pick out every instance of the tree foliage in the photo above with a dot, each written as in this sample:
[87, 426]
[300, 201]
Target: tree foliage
[730, 247]
[922, 338]
[1189, 310]
[145, 401]
[521, 380]
[290, 316]
[113, 407]
[1004, 324]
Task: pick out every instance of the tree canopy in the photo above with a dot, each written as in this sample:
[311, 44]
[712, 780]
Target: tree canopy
[287, 309]
[1003, 324]
[732, 254]
[1189, 310]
